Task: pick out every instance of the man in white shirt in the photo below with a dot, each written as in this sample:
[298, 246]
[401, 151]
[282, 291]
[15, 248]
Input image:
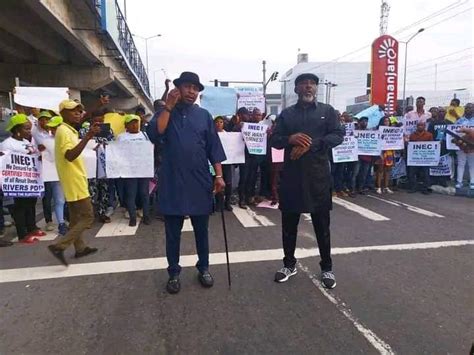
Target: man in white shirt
[420, 114]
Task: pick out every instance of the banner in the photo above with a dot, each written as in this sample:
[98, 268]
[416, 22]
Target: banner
[252, 102]
[40, 97]
[234, 147]
[392, 138]
[384, 70]
[255, 136]
[409, 125]
[278, 155]
[49, 171]
[346, 151]
[349, 127]
[368, 142]
[219, 101]
[423, 153]
[444, 167]
[129, 160]
[449, 139]
[21, 175]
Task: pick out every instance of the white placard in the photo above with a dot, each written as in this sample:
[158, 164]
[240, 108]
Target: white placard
[392, 138]
[20, 175]
[409, 125]
[346, 151]
[255, 136]
[368, 142]
[252, 102]
[40, 97]
[234, 147]
[349, 127]
[423, 153]
[129, 160]
[443, 168]
[454, 128]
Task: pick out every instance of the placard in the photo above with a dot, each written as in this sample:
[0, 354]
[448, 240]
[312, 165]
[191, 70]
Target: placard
[409, 125]
[255, 136]
[219, 100]
[392, 138]
[368, 142]
[129, 159]
[423, 153]
[444, 167]
[449, 139]
[346, 151]
[349, 127]
[40, 97]
[234, 147]
[21, 175]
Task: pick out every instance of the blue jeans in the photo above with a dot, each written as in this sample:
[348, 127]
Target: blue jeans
[136, 187]
[173, 226]
[362, 176]
[53, 191]
[338, 176]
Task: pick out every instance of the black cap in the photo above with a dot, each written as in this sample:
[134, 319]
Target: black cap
[306, 76]
[364, 118]
[188, 77]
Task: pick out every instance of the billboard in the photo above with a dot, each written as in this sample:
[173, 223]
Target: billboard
[384, 71]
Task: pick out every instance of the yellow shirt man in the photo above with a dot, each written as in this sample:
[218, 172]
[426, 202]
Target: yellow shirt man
[72, 174]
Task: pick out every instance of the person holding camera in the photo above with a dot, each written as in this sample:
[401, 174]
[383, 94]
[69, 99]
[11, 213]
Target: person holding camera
[73, 177]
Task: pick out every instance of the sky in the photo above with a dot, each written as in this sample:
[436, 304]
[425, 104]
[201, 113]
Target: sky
[227, 40]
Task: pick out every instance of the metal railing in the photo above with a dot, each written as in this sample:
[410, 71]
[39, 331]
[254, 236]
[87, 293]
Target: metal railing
[122, 37]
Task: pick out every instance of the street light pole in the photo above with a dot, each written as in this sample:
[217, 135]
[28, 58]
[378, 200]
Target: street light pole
[405, 69]
[146, 49]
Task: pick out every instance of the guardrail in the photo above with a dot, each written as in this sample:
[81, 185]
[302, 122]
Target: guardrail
[112, 23]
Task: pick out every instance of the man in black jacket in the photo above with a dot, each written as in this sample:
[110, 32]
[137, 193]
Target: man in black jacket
[306, 131]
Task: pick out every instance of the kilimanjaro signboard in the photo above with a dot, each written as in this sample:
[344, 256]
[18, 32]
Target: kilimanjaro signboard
[384, 84]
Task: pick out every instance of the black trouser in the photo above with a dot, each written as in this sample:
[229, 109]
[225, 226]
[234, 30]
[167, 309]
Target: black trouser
[224, 199]
[422, 172]
[321, 221]
[47, 201]
[248, 177]
[24, 215]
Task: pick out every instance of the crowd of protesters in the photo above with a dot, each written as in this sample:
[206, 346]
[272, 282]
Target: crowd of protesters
[258, 177]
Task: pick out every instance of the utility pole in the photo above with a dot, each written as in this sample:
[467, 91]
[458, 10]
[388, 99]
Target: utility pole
[384, 11]
[264, 81]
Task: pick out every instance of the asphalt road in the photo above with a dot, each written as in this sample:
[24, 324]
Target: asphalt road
[405, 285]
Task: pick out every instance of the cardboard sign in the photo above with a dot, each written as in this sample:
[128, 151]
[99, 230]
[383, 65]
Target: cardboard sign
[234, 147]
[368, 142]
[346, 151]
[444, 167]
[423, 153]
[219, 100]
[409, 125]
[349, 127]
[129, 160]
[255, 136]
[449, 139]
[21, 175]
[278, 155]
[40, 97]
[392, 138]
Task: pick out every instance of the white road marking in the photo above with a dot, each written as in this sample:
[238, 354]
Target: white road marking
[307, 216]
[381, 346]
[118, 266]
[408, 207]
[364, 212]
[187, 226]
[117, 227]
[249, 218]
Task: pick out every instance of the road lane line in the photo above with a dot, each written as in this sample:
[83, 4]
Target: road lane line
[364, 212]
[307, 216]
[249, 218]
[119, 266]
[187, 226]
[408, 207]
[381, 346]
[117, 227]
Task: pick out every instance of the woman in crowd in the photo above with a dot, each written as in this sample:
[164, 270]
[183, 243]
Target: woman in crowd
[99, 186]
[24, 211]
[135, 188]
[383, 165]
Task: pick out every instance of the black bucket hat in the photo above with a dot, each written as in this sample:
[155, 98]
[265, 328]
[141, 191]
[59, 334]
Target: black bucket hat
[188, 77]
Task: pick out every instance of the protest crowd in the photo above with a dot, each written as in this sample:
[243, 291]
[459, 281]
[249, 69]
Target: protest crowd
[87, 164]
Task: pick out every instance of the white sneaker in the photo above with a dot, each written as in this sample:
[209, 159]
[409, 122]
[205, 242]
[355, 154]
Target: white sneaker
[50, 226]
[387, 190]
[378, 190]
[459, 185]
[8, 224]
[126, 215]
[140, 213]
[109, 212]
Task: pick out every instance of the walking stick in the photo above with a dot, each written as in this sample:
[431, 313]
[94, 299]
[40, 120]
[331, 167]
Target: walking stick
[225, 242]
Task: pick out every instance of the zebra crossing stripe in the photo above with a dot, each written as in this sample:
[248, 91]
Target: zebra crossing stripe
[364, 212]
[117, 227]
[250, 219]
[408, 207]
